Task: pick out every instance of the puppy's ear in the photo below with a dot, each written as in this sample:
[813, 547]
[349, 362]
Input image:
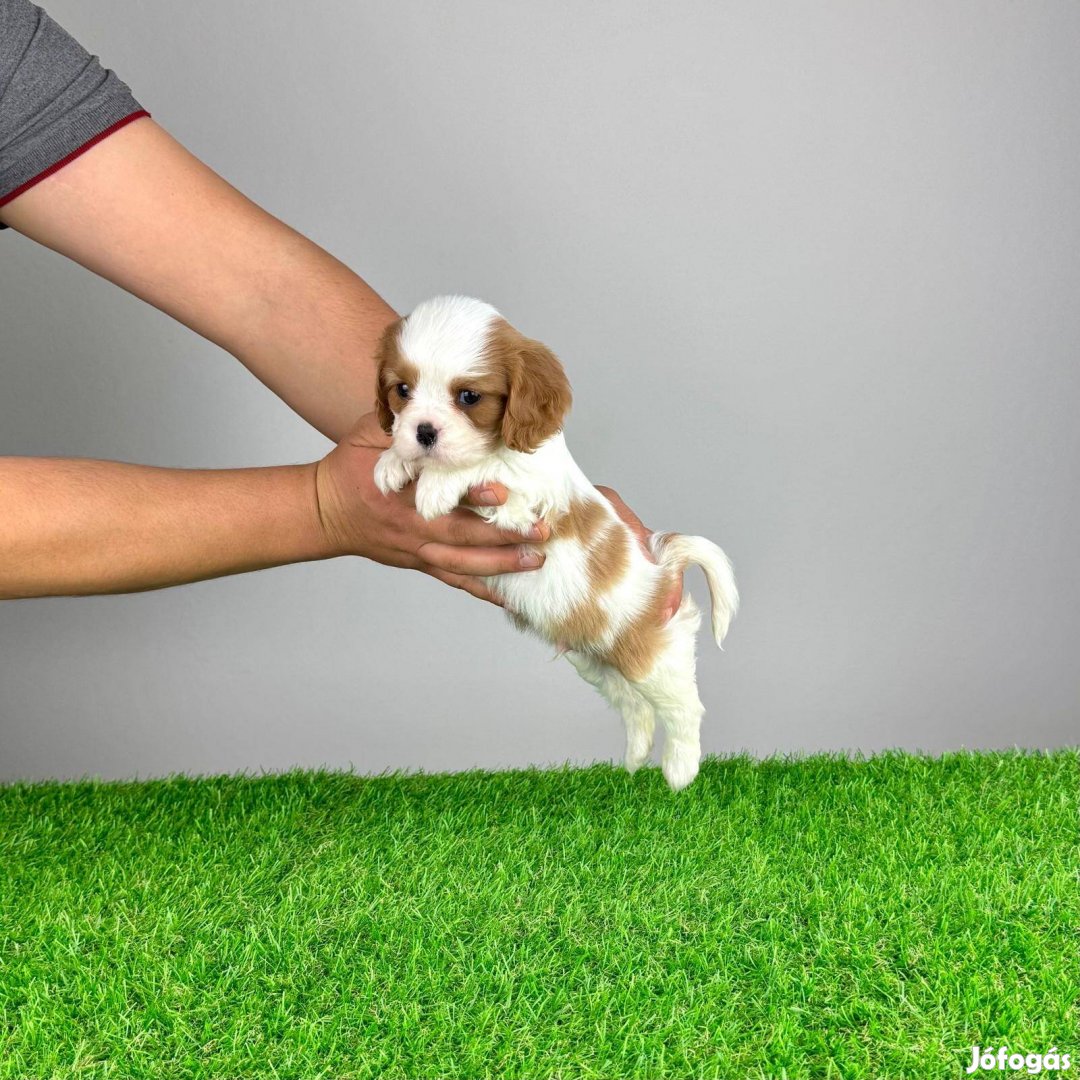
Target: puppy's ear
[385, 354]
[539, 396]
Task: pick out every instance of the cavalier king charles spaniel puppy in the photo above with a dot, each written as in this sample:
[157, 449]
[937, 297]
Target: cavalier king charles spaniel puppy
[469, 400]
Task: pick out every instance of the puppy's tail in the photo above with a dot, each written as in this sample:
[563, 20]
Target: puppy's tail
[676, 551]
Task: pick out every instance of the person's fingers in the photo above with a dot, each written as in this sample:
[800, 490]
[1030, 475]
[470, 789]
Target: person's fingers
[486, 495]
[674, 600]
[463, 528]
[480, 561]
[473, 585]
[622, 509]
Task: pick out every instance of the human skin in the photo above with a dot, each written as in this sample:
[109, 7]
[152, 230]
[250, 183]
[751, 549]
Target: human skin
[141, 211]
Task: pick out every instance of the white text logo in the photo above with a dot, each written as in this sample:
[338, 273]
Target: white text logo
[985, 1057]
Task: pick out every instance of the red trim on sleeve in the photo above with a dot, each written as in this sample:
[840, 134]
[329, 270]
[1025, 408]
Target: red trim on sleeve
[4, 199]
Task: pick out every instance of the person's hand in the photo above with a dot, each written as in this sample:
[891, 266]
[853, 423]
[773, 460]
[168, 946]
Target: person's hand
[458, 549]
[642, 533]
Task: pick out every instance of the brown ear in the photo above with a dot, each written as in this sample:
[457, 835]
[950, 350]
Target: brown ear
[539, 397]
[385, 354]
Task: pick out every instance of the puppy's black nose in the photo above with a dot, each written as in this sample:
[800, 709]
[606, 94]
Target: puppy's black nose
[426, 435]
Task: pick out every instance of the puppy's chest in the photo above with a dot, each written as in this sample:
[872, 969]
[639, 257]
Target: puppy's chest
[547, 597]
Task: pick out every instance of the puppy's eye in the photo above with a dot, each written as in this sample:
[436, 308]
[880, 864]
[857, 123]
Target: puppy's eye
[403, 390]
[468, 397]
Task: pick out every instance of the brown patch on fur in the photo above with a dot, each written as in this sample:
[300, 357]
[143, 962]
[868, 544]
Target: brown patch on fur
[606, 563]
[608, 560]
[539, 393]
[391, 369]
[582, 626]
[609, 545]
[581, 522]
[634, 651]
[487, 414]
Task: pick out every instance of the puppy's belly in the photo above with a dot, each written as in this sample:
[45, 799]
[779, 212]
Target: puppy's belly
[547, 598]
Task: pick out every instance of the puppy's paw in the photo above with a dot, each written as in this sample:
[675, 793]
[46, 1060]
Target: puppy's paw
[638, 748]
[513, 518]
[680, 764]
[391, 473]
[435, 497]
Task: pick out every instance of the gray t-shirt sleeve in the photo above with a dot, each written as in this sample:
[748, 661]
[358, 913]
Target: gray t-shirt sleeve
[56, 100]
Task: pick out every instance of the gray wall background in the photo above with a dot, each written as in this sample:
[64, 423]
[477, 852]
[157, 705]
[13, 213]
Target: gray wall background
[814, 271]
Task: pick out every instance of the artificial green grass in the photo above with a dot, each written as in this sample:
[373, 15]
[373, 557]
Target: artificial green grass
[801, 918]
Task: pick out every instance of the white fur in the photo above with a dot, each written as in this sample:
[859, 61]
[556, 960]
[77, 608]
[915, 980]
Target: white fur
[445, 339]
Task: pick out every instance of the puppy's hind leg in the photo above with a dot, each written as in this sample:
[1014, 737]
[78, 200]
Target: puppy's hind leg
[638, 716]
[671, 688]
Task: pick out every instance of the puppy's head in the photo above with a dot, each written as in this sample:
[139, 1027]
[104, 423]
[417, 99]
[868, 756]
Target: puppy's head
[455, 381]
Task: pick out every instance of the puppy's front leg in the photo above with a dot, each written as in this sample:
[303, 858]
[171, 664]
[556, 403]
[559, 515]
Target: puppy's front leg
[392, 473]
[515, 515]
[438, 493]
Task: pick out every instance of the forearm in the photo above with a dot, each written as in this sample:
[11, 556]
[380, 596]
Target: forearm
[312, 334]
[142, 211]
[74, 527]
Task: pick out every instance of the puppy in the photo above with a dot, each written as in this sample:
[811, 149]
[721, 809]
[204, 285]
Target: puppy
[470, 400]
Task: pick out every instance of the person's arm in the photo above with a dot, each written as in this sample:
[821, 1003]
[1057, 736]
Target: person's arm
[142, 211]
[78, 527]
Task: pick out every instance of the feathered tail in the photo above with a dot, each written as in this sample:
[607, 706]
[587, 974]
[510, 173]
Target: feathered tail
[676, 551]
